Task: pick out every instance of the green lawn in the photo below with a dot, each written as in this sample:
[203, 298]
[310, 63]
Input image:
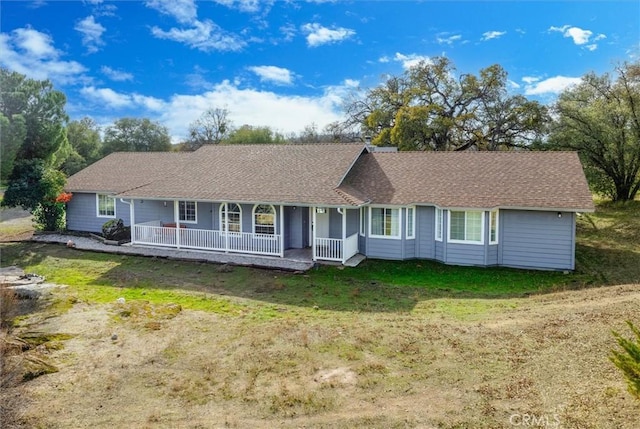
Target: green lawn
[608, 252]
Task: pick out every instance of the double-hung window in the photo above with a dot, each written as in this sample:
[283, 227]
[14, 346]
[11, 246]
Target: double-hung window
[384, 222]
[231, 217]
[411, 222]
[466, 226]
[188, 211]
[493, 226]
[264, 219]
[438, 224]
[105, 205]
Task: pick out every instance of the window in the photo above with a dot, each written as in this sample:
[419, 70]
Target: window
[233, 217]
[264, 219]
[411, 224]
[106, 205]
[466, 226]
[385, 222]
[493, 227]
[187, 211]
[362, 221]
[439, 224]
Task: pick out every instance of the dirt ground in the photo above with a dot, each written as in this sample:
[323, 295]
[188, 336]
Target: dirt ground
[542, 359]
[15, 224]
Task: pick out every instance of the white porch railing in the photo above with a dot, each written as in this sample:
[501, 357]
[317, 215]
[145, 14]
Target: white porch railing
[151, 233]
[334, 249]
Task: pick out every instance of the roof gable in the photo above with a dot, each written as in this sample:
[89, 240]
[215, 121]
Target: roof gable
[536, 180]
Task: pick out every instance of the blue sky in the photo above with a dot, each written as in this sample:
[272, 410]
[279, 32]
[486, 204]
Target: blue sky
[287, 64]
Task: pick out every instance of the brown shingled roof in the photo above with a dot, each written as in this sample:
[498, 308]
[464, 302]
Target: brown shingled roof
[123, 171]
[315, 174]
[537, 180]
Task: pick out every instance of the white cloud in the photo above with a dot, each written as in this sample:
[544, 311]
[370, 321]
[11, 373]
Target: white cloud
[184, 11]
[277, 75]
[513, 84]
[530, 79]
[204, 35]
[91, 33]
[106, 96]
[32, 53]
[318, 35]
[493, 35]
[579, 36]
[445, 39]
[384, 59]
[116, 75]
[288, 31]
[410, 60]
[244, 5]
[552, 85]
[117, 100]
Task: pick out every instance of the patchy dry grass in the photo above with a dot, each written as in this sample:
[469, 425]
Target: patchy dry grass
[413, 344]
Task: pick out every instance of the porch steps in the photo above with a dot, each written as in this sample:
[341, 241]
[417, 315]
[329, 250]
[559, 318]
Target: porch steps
[355, 260]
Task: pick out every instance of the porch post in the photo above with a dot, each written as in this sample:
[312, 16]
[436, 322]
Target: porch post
[226, 227]
[313, 228]
[344, 233]
[281, 231]
[176, 217]
[132, 219]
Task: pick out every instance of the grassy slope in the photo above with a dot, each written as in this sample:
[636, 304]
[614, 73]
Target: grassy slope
[428, 344]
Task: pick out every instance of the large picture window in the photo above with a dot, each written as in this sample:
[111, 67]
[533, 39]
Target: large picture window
[233, 218]
[466, 226]
[106, 205]
[264, 219]
[188, 211]
[385, 222]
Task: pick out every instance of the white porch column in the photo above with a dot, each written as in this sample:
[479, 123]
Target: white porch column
[344, 232]
[176, 217]
[132, 220]
[226, 227]
[281, 231]
[313, 228]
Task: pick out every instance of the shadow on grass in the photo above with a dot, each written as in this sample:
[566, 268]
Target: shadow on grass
[374, 286]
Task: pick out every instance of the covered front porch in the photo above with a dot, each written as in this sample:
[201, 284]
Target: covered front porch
[331, 234]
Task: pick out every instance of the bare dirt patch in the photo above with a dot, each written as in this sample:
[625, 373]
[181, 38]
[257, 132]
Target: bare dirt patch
[140, 365]
[15, 224]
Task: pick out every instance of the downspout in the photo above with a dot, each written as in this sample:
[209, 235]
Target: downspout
[131, 218]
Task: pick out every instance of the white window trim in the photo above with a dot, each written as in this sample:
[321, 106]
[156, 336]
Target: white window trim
[222, 218]
[98, 206]
[275, 219]
[450, 240]
[413, 222]
[362, 218]
[439, 224]
[387, 237]
[196, 211]
[497, 212]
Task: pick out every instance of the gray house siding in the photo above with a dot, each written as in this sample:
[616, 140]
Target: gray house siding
[353, 222]
[149, 210]
[384, 248]
[362, 239]
[464, 254]
[425, 238]
[531, 239]
[82, 213]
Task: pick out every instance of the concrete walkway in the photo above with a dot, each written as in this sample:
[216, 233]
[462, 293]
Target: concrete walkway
[295, 261]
